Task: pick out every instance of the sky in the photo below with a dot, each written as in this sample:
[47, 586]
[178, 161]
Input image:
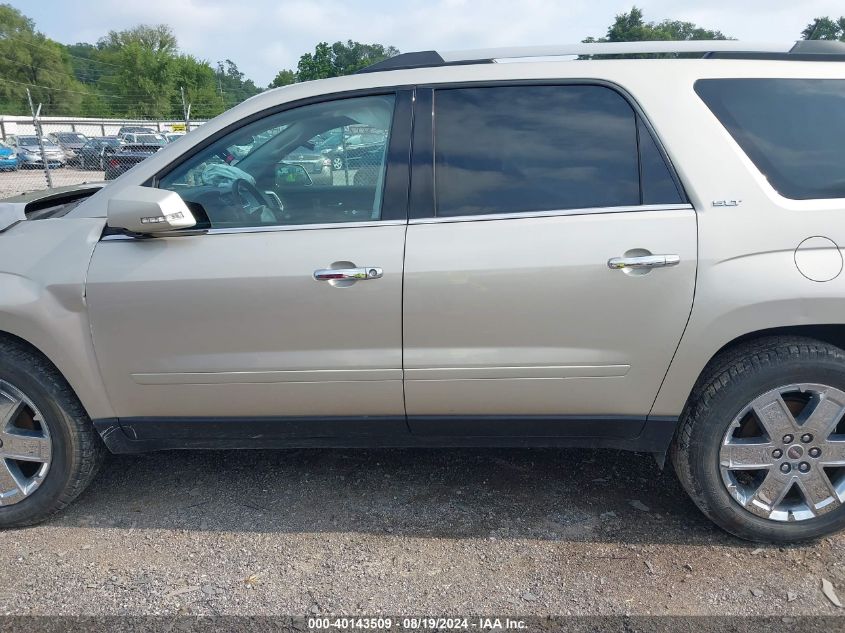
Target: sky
[265, 36]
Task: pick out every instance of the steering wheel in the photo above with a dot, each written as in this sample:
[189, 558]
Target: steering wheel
[253, 201]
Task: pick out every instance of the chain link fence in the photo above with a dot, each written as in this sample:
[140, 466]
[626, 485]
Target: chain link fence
[47, 152]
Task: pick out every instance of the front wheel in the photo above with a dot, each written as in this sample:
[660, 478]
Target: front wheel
[761, 445]
[49, 451]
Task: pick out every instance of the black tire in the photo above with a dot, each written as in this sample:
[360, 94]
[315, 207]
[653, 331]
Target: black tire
[77, 450]
[729, 383]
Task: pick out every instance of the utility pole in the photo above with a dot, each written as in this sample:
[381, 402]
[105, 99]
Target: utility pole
[37, 127]
[186, 110]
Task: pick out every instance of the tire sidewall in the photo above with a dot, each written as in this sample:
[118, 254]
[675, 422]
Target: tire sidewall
[62, 445]
[707, 439]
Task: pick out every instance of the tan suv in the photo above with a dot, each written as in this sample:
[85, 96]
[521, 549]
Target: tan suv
[625, 253]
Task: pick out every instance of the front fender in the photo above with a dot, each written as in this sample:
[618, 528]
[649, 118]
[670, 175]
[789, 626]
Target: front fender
[43, 267]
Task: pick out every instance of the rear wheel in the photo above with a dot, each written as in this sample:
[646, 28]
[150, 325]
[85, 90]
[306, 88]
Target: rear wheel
[761, 446]
[49, 451]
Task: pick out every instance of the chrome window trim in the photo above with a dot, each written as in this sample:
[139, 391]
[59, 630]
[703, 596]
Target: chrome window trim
[264, 229]
[554, 213]
[305, 227]
[457, 218]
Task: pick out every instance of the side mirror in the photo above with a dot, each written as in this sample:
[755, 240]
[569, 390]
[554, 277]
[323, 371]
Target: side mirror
[146, 210]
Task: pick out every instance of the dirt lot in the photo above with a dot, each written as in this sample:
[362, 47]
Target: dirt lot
[23, 180]
[528, 532]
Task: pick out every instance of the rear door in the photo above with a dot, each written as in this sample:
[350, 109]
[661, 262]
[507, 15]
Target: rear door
[514, 322]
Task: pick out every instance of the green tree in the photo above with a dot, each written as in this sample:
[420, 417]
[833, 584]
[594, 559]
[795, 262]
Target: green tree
[316, 66]
[283, 78]
[200, 84]
[825, 29]
[233, 85]
[158, 39]
[29, 59]
[631, 27]
[143, 62]
[340, 59]
[85, 62]
[353, 56]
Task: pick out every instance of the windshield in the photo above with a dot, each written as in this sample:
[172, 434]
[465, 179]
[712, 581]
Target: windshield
[71, 138]
[32, 141]
[149, 139]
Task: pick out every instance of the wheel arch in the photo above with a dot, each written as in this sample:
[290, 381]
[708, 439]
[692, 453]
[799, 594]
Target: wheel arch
[92, 401]
[831, 333]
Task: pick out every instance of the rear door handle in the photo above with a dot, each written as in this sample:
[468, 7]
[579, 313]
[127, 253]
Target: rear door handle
[348, 274]
[643, 262]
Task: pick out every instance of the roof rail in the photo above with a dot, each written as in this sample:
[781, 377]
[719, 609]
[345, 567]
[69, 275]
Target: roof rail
[805, 50]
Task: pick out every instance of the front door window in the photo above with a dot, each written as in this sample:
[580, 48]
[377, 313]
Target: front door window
[316, 164]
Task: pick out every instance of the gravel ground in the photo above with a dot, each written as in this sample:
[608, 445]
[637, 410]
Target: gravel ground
[24, 180]
[507, 532]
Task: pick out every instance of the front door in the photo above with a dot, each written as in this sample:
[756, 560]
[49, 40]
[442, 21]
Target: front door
[514, 321]
[266, 316]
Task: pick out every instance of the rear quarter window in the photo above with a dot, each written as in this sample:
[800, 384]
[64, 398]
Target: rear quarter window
[793, 130]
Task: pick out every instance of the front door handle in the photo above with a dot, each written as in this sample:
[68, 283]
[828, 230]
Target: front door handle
[641, 262]
[363, 273]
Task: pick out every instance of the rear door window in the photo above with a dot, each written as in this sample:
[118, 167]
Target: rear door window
[793, 130]
[510, 149]
[657, 183]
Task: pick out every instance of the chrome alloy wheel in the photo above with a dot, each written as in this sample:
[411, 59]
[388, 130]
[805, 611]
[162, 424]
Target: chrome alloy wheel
[25, 446]
[783, 457]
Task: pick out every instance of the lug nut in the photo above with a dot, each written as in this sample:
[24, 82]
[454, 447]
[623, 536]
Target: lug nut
[804, 467]
[815, 452]
[777, 453]
[785, 468]
[787, 439]
[806, 438]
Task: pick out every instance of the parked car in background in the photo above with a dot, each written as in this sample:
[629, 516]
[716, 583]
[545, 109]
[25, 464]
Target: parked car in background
[126, 157]
[352, 150]
[316, 165]
[8, 158]
[127, 129]
[95, 152]
[29, 152]
[144, 138]
[71, 143]
[173, 136]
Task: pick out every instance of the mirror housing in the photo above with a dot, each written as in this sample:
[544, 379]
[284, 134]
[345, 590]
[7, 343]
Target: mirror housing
[146, 210]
